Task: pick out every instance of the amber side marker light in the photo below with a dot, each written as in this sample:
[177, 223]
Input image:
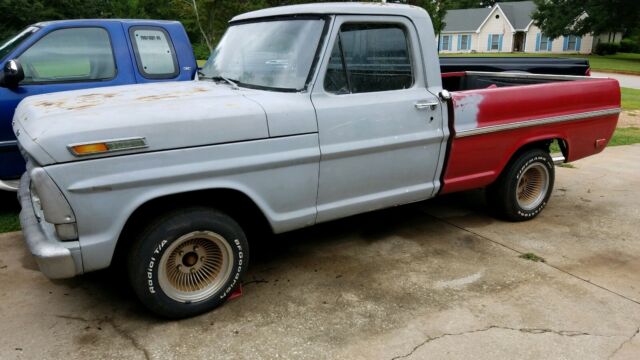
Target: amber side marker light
[107, 146]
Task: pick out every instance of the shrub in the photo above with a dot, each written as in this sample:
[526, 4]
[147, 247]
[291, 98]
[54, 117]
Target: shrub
[607, 48]
[629, 46]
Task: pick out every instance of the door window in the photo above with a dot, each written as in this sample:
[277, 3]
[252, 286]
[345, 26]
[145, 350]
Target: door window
[368, 58]
[154, 53]
[66, 55]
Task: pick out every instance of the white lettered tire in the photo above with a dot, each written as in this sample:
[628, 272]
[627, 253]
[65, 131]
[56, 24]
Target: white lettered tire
[188, 261]
[523, 189]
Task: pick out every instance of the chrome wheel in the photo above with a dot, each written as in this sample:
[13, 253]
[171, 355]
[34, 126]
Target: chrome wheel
[532, 186]
[195, 266]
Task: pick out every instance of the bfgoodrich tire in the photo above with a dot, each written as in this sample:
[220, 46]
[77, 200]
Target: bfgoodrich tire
[187, 262]
[523, 189]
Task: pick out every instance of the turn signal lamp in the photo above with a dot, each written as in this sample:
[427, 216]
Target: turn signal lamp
[107, 146]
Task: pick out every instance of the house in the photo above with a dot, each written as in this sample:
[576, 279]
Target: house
[506, 27]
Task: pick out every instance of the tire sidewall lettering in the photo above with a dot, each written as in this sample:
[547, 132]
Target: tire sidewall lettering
[531, 213]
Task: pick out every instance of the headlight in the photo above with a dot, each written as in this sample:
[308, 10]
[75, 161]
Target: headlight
[47, 197]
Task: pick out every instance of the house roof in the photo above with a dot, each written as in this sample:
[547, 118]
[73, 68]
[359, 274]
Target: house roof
[518, 13]
[465, 19]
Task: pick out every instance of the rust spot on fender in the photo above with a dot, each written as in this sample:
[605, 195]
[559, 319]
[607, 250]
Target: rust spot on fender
[48, 104]
[157, 97]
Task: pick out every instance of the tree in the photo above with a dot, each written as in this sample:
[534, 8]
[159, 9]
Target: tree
[437, 9]
[469, 4]
[579, 17]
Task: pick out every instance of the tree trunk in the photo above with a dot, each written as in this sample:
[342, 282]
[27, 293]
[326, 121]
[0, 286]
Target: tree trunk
[207, 38]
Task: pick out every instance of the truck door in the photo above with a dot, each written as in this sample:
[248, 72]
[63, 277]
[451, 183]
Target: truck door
[60, 59]
[380, 130]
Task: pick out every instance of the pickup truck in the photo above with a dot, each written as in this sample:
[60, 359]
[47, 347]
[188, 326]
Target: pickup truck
[94, 49]
[78, 54]
[302, 115]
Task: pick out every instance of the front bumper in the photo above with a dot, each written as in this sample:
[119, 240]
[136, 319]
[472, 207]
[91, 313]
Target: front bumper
[56, 259]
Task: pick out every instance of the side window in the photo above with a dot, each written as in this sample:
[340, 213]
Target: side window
[154, 51]
[368, 58]
[77, 54]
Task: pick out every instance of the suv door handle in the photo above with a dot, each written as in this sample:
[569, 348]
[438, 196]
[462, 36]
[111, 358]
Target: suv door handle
[426, 104]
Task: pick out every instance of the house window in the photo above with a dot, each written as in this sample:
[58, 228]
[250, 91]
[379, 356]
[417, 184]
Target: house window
[543, 42]
[495, 42]
[464, 42]
[445, 42]
[572, 43]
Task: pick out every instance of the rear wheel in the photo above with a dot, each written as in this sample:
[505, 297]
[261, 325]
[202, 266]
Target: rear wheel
[188, 262]
[524, 187]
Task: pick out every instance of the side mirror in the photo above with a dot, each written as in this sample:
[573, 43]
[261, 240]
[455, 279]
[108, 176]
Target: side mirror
[12, 73]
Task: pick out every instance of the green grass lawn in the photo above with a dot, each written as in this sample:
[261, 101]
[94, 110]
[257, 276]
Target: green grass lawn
[630, 99]
[8, 212]
[621, 62]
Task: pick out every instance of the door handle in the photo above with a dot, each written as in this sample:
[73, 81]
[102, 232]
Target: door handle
[422, 105]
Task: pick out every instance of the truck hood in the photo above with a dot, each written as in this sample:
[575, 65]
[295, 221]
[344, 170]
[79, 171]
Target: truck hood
[167, 115]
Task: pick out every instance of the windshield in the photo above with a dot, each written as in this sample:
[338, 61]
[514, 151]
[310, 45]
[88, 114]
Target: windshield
[12, 43]
[270, 54]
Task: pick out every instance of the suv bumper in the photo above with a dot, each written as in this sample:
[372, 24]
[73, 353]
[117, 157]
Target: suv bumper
[56, 259]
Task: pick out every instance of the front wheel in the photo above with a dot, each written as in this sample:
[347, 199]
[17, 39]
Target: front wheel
[188, 262]
[524, 187]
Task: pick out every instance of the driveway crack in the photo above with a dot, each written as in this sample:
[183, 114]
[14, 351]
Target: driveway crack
[625, 342]
[117, 328]
[569, 333]
[522, 253]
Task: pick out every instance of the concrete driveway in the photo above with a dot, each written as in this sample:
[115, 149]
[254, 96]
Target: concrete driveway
[433, 280]
[628, 81]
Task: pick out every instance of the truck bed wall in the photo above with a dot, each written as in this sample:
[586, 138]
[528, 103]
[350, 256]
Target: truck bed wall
[578, 112]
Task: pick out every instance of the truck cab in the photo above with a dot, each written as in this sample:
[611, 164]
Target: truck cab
[67, 55]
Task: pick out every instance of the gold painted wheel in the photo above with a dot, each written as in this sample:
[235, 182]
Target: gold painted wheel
[195, 266]
[532, 186]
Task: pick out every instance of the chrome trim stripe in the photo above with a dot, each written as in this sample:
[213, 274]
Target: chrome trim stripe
[9, 143]
[536, 122]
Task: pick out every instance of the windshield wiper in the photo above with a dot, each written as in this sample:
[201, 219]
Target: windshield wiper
[233, 83]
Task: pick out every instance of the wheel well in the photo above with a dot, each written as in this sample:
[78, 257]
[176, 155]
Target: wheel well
[543, 145]
[232, 202]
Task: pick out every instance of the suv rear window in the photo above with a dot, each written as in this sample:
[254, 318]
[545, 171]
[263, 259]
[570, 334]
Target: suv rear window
[155, 55]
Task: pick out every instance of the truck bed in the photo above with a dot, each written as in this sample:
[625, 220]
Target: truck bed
[529, 64]
[492, 115]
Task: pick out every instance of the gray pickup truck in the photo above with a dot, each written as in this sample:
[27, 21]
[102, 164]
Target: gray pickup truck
[303, 114]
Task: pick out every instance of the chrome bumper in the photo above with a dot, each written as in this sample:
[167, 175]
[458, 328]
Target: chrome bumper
[9, 185]
[56, 259]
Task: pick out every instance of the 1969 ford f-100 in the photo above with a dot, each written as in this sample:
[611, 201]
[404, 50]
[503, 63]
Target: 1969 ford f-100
[303, 114]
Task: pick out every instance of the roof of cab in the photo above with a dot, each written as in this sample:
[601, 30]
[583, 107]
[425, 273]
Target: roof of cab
[336, 8]
[80, 22]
